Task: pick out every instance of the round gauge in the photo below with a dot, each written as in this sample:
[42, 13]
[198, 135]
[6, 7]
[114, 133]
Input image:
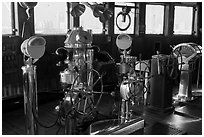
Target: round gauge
[123, 41]
[33, 47]
[186, 50]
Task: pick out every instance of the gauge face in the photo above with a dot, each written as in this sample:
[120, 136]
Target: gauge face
[123, 41]
[34, 47]
[184, 49]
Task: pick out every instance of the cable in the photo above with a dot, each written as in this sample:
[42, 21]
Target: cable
[172, 66]
[42, 125]
[170, 73]
[144, 71]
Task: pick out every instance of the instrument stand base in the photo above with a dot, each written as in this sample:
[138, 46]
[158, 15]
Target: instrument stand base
[160, 111]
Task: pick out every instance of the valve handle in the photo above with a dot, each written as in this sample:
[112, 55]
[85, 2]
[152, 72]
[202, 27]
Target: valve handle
[158, 64]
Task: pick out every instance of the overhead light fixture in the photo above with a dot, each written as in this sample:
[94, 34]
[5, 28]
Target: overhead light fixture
[99, 11]
[78, 10]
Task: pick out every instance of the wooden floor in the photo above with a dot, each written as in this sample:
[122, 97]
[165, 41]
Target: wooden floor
[186, 119]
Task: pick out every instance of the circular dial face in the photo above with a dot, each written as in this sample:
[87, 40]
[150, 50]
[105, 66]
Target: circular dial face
[123, 41]
[185, 50]
[34, 47]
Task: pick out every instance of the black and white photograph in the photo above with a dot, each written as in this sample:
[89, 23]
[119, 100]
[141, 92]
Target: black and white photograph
[101, 68]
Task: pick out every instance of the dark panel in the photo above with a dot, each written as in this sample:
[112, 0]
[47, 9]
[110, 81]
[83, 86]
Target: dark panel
[11, 67]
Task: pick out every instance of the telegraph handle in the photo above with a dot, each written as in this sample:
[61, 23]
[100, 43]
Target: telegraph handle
[158, 64]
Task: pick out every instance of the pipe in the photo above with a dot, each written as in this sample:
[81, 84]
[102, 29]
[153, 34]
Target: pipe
[30, 98]
[122, 116]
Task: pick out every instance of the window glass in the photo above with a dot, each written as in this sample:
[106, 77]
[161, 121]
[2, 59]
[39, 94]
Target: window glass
[154, 19]
[183, 19]
[88, 21]
[124, 4]
[50, 18]
[6, 18]
[123, 22]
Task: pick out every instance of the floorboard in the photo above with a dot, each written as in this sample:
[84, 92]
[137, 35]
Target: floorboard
[187, 119]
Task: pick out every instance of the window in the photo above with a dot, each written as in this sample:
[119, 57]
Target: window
[48, 20]
[154, 19]
[183, 19]
[88, 21]
[6, 18]
[124, 24]
[131, 4]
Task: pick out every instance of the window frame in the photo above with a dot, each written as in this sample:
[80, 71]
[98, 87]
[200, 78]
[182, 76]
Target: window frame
[164, 17]
[168, 26]
[13, 21]
[68, 23]
[193, 20]
[103, 24]
[135, 14]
